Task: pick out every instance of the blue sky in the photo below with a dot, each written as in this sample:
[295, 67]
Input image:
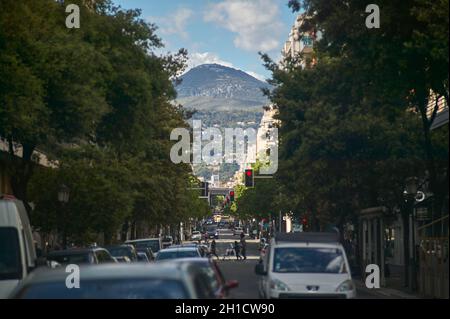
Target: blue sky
[229, 32]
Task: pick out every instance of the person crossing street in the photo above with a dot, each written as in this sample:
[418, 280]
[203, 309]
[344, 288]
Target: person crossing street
[237, 250]
[213, 249]
[243, 246]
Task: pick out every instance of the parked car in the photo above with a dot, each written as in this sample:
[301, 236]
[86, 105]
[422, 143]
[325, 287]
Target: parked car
[92, 255]
[123, 250]
[178, 252]
[122, 281]
[218, 285]
[147, 251]
[155, 244]
[142, 257]
[196, 235]
[305, 265]
[122, 259]
[17, 250]
[167, 241]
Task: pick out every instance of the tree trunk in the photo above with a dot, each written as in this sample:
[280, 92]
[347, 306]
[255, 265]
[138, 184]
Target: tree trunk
[21, 172]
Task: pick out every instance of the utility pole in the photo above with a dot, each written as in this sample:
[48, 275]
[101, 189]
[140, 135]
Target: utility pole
[280, 222]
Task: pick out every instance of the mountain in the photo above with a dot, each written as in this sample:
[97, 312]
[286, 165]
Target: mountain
[216, 87]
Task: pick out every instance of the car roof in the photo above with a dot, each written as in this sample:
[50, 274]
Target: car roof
[142, 239]
[181, 248]
[184, 245]
[306, 245]
[74, 251]
[120, 246]
[307, 237]
[190, 260]
[109, 271]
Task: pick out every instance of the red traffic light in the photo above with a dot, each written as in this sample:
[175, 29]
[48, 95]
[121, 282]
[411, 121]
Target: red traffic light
[249, 178]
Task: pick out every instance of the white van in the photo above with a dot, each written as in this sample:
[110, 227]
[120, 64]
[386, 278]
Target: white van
[305, 265]
[17, 251]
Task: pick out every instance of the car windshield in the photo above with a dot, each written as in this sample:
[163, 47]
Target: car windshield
[10, 266]
[308, 260]
[108, 289]
[76, 258]
[177, 254]
[153, 244]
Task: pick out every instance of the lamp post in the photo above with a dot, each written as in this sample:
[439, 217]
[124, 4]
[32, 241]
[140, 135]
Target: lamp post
[63, 198]
[411, 191]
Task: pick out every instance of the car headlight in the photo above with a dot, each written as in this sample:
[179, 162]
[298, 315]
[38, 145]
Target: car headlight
[346, 286]
[276, 284]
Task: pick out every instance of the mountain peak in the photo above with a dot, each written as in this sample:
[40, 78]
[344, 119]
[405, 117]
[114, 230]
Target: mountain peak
[220, 82]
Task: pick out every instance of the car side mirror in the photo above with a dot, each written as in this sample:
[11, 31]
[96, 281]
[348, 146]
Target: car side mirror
[259, 270]
[232, 284]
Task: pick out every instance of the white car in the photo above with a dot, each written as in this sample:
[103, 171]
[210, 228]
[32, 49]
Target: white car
[17, 250]
[305, 265]
[196, 235]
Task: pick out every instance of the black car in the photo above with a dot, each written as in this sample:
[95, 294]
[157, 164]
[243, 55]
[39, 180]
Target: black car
[125, 250]
[77, 256]
[212, 232]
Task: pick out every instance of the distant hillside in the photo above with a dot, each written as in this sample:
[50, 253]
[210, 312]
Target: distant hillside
[216, 87]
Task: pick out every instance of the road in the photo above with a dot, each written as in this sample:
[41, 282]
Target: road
[243, 271]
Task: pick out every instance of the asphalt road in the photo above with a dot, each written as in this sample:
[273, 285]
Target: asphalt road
[243, 271]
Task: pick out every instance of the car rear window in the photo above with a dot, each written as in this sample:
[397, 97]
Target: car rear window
[10, 265]
[108, 289]
[84, 258]
[153, 244]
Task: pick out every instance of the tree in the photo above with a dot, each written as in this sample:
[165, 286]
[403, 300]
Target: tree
[400, 63]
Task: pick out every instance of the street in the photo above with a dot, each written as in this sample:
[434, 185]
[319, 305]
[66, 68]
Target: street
[132, 133]
[244, 272]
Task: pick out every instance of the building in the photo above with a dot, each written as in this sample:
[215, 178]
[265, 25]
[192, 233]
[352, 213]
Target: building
[299, 46]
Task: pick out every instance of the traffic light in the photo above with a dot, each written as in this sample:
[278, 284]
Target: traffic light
[231, 196]
[304, 221]
[249, 178]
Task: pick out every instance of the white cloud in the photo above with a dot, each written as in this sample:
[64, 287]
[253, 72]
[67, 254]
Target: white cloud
[257, 23]
[197, 58]
[256, 75]
[175, 23]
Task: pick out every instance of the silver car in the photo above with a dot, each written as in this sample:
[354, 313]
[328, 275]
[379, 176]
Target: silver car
[118, 281]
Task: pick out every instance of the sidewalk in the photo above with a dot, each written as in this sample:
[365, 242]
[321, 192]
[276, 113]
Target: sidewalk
[382, 292]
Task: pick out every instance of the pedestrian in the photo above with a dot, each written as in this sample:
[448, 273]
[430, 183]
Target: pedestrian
[213, 249]
[243, 247]
[237, 250]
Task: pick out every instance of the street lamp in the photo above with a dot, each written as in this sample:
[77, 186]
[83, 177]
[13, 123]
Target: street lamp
[63, 198]
[411, 191]
[411, 186]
